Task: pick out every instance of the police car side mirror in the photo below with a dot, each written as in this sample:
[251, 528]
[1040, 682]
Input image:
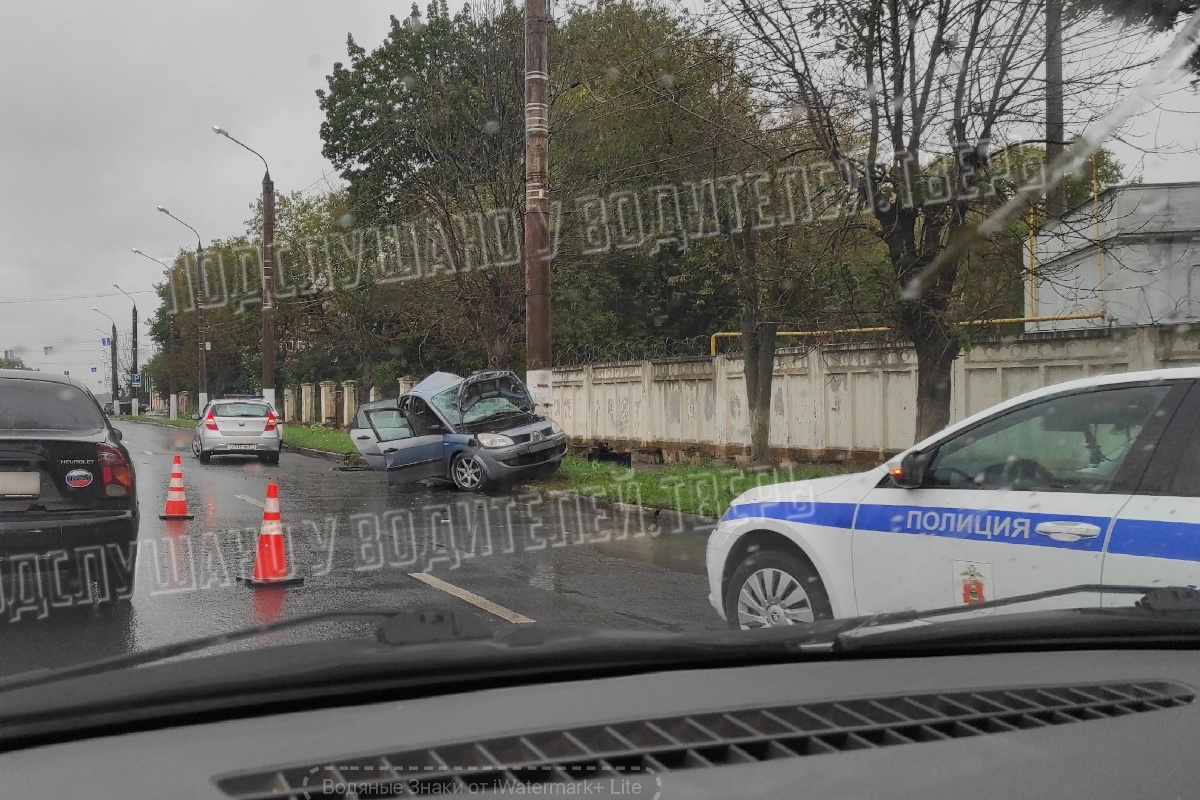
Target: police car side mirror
[912, 470]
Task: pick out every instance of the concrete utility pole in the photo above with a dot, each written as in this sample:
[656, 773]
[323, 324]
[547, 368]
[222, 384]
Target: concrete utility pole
[1056, 197]
[112, 351]
[134, 391]
[268, 254]
[173, 402]
[202, 395]
[538, 374]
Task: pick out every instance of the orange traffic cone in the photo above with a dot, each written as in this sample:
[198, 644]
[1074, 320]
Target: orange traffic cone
[176, 501]
[270, 563]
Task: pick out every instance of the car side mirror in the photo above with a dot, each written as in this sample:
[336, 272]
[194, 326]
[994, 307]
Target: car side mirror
[196, 417]
[117, 433]
[913, 470]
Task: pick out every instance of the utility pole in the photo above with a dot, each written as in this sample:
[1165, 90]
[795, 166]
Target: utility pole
[202, 398]
[134, 391]
[202, 395]
[173, 402]
[538, 374]
[112, 350]
[173, 350]
[1055, 133]
[268, 299]
[268, 254]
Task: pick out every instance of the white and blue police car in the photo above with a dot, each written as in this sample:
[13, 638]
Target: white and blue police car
[1095, 481]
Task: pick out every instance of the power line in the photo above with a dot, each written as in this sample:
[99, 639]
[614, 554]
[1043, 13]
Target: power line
[59, 298]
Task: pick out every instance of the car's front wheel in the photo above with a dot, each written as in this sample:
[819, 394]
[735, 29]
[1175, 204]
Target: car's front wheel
[771, 587]
[467, 473]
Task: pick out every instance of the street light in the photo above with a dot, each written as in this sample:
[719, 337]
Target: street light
[112, 351]
[203, 394]
[268, 256]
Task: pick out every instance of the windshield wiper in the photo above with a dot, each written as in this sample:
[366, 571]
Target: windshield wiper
[399, 627]
[1162, 611]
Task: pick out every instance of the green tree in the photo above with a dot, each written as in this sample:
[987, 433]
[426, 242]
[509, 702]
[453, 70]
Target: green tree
[12, 363]
[896, 92]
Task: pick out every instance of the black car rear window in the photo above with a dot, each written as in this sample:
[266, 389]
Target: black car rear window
[31, 405]
[240, 410]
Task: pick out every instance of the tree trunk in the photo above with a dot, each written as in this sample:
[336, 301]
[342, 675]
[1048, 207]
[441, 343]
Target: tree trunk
[759, 369]
[935, 362]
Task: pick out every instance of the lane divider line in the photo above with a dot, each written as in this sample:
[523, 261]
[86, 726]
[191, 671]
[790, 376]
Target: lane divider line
[470, 597]
[251, 500]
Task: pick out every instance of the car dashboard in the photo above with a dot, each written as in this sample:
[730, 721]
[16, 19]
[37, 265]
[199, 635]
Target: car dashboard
[1069, 724]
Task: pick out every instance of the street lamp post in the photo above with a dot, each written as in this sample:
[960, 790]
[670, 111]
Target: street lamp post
[171, 349]
[268, 257]
[112, 350]
[133, 362]
[203, 393]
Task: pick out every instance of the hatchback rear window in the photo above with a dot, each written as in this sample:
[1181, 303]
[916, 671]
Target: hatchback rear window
[240, 410]
[27, 405]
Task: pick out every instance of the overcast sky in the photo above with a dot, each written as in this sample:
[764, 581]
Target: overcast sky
[106, 111]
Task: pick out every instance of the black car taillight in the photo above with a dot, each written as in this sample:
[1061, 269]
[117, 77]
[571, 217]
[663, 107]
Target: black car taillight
[116, 478]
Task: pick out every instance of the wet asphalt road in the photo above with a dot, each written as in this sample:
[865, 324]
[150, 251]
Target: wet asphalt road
[501, 558]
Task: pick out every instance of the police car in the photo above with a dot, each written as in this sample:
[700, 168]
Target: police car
[1095, 481]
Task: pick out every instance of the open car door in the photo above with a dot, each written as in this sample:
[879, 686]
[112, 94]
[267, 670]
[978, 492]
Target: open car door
[407, 457]
[363, 435]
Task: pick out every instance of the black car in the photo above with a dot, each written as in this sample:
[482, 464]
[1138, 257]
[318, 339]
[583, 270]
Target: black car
[68, 499]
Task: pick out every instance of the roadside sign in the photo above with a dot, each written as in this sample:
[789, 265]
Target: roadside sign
[47, 350]
[93, 369]
[106, 341]
[10, 353]
[66, 372]
[135, 379]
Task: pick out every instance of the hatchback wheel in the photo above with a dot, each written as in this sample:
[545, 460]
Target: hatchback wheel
[771, 587]
[467, 473]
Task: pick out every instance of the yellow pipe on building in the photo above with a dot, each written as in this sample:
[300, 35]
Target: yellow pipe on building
[712, 340]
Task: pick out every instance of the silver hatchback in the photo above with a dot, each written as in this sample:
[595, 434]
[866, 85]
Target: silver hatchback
[238, 427]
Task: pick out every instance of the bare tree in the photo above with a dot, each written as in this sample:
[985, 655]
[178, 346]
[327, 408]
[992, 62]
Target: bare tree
[905, 98]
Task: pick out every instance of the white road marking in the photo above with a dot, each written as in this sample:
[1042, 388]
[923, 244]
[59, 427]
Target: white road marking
[147, 452]
[470, 597]
[251, 500]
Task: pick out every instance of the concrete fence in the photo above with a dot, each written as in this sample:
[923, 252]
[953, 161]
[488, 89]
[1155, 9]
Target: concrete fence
[835, 402]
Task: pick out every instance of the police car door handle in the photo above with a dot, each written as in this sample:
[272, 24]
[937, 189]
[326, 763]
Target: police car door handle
[1068, 531]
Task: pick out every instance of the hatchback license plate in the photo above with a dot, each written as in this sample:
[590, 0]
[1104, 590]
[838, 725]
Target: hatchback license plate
[20, 484]
[243, 447]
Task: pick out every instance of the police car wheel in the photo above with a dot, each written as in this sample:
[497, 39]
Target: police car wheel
[775, 588]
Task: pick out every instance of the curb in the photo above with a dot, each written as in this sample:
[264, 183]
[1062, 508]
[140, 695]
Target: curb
[666, 520]
[327, 455]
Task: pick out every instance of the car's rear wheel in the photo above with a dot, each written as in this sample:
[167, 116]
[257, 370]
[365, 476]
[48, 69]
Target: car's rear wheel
[467, 473]
[205, 457]
[771, 587]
